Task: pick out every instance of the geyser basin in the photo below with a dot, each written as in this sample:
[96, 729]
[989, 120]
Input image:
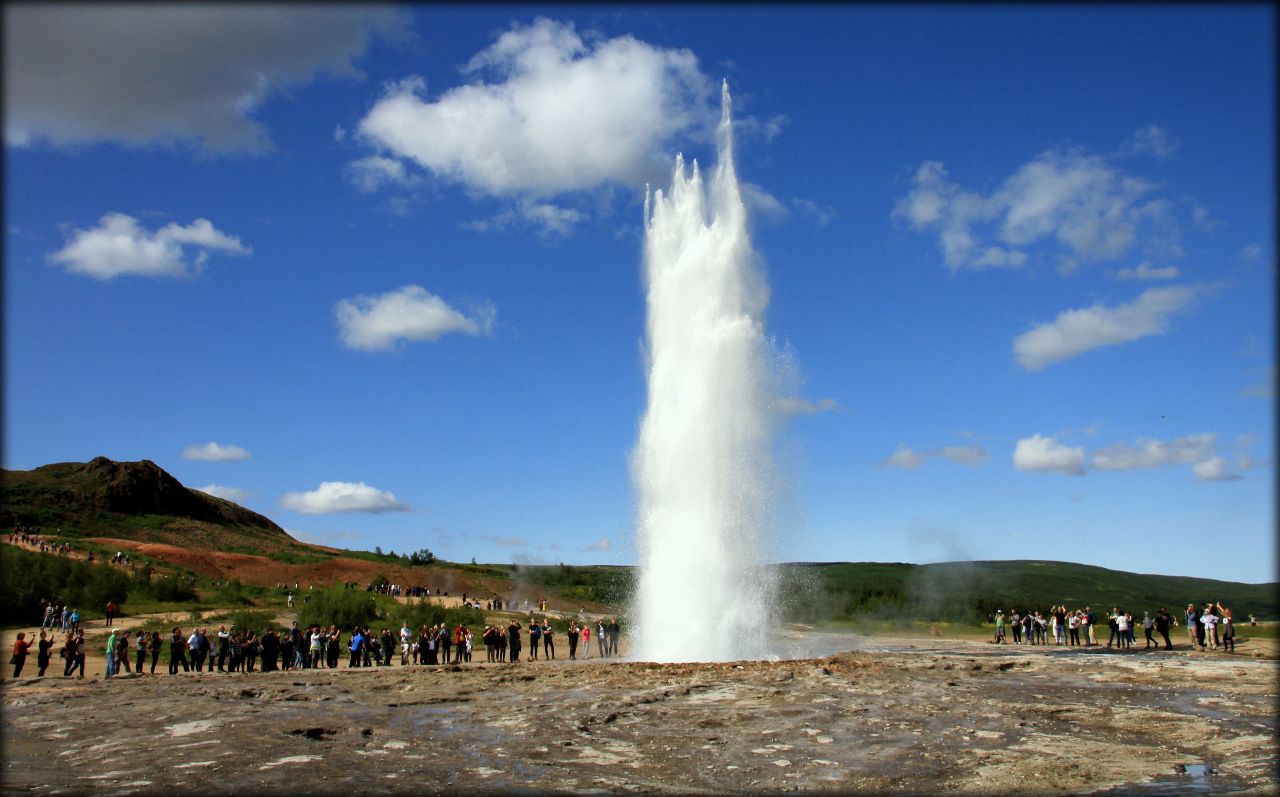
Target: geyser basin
[703, 464]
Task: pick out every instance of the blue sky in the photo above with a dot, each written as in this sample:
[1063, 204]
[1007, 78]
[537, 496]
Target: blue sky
[376, 272]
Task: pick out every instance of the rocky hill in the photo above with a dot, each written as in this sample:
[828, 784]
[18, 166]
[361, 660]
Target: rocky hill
[128, 500]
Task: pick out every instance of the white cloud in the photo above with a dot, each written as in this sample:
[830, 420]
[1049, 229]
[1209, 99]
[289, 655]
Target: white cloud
[1154, 140]
[601, 545]
[333, 497]
[371, 323]
[559, 114]
[1075, 332]
[146, 73]
[375, 172]
[793, 405]
[118, 245]
[907, 459]
[1038, 453]
[1215, 469]
[213, 452]
[234, 494]
[1144, 272]
[1078, 203]
[1152, 453]
[1251, 252]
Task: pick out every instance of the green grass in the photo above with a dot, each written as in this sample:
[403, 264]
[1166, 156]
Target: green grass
[298, 558]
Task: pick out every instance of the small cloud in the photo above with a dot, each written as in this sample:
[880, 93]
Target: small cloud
[1251, 252]
[1038, 453]
[213, 452]
[1154, 140]
[374, 172]
[761, 202]
[339, 134]
[1152, 453]
[1214, 470]
[234, 494]
[1264, 389]
[1144, 272]
[373, 323]
[118, 246]
[792, 405]
[821, 213]
[335, 497]
[1075, 332]
[907, 459]
[601, 545]
[510, 542]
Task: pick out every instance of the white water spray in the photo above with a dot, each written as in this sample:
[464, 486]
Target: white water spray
[703, 463]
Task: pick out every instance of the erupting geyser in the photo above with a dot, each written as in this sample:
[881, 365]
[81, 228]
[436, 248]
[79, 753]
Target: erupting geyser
[703, 463]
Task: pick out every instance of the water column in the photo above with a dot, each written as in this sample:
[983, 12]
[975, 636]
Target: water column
[702, 465]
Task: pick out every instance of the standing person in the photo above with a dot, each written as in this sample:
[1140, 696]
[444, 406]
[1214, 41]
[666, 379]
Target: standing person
[572, 633]
[1015, 625]
[69, 655]
[1193, 623]
[122, 652]
[1060, 624]
[20, 648]
[178, 652]
[548, 641]
[111, 656]
[111, 612]
[153, 647]
[140, 649]
[335, 647]
[1228, 633]
[43, 652]
[999, 640]
[1073, 628]
[586, 640]
[1123, 626]
[1092, 619]
[1148, 625]
[1210, 621]
[224, 647]
[535, 633]
[357, 647]
[1114, 626]
[600, 637]
[406, 639]
[1163, 621]
[614, 633]
[195, 644]
[513, 640]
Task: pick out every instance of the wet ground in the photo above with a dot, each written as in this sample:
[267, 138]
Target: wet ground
[901, 717]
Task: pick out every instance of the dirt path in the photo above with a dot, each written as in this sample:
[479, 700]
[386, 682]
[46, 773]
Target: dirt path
[965, 718]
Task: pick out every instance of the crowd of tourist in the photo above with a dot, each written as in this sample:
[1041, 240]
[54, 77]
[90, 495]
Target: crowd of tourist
[1209, 625]
[314, 647]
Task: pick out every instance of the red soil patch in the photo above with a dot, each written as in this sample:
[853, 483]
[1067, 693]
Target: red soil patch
[260, 570]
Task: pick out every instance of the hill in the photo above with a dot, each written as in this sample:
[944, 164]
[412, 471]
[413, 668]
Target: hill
[967, 591]
[129, 500]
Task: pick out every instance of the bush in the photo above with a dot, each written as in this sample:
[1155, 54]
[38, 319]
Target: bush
[341, 607]
[28, 577]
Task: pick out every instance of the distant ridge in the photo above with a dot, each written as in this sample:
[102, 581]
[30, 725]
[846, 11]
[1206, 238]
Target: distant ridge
[130, 500]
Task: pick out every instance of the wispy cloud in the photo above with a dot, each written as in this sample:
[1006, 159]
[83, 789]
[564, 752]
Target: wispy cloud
[1263, 389]
[1079, 205]
[119, 246]
[1145, 272]
[372, 323]
[215, 452]
[794, 405]
[1153, 453]
[1075, 332]
[602, 545]
[337, 497]
[1154, 140]
[907, 459]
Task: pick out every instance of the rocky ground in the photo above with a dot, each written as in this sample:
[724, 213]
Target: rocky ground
[906, 717]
